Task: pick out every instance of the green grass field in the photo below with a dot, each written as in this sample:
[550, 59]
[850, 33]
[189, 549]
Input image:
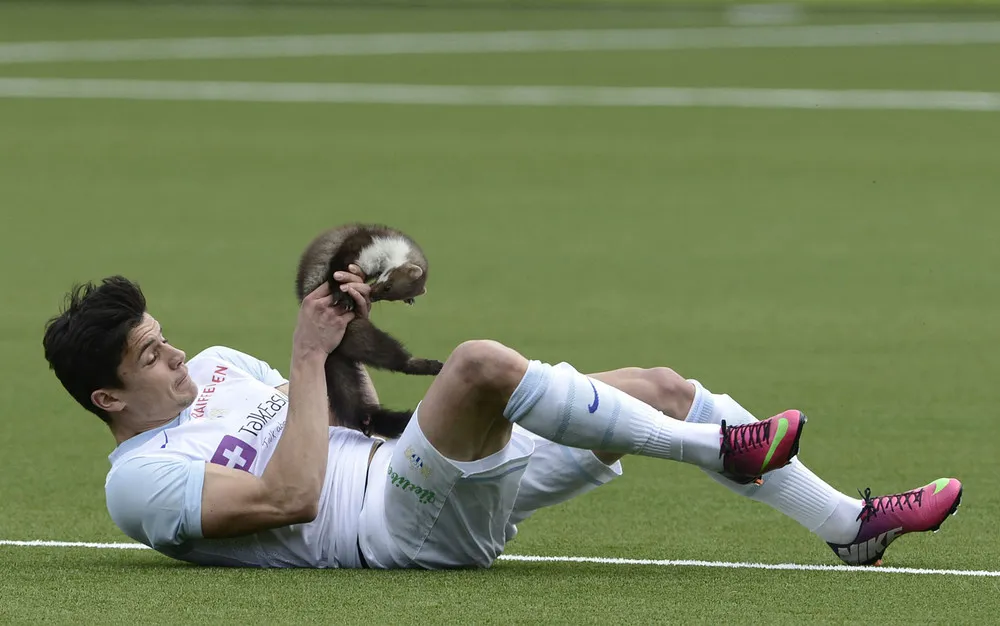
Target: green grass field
[842, 262]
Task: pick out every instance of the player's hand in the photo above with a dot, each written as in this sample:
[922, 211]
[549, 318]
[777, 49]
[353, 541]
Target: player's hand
[352, 282]
[321, 325]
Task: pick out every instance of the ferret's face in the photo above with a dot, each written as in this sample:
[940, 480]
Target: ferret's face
[405, 282]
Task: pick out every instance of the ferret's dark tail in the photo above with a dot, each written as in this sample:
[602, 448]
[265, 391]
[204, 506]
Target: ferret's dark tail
[388, 423]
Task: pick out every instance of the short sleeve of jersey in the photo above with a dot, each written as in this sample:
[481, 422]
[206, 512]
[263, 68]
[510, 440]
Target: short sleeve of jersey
[251, 365]
[156, 499]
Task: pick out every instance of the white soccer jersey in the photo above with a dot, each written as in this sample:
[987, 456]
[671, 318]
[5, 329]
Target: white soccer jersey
[154, 487]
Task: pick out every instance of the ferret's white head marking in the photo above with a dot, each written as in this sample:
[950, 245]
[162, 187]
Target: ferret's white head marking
[382, 255]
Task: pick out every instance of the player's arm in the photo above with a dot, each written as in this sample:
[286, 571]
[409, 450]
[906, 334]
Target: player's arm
[367, 386]
[237, 503]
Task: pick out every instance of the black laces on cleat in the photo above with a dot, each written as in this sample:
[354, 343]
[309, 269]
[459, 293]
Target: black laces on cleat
[744, 437]
[874, 506]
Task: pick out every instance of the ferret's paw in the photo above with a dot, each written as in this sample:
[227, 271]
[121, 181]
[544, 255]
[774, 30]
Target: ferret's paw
[344, 301]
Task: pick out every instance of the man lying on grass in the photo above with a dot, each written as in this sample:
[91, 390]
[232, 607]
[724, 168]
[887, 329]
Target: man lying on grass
[223, 461]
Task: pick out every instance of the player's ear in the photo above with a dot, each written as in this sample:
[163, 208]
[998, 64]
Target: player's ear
[413, 271]
[107, 400]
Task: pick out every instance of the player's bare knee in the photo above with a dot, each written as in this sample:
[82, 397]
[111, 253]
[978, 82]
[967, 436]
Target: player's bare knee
[486, 364]
[675, 394]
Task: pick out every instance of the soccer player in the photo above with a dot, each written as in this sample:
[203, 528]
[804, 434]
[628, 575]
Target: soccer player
[221, 460]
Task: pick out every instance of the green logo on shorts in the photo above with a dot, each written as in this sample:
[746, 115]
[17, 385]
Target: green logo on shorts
[426, 496]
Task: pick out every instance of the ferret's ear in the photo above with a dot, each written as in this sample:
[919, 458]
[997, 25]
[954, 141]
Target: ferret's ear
[413, 271]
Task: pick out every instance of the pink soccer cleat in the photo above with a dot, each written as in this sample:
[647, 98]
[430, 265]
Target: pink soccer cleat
[887, 518]
[751, 450]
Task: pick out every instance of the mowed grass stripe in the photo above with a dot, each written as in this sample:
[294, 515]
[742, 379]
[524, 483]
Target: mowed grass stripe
[537, 96]
[958, 33]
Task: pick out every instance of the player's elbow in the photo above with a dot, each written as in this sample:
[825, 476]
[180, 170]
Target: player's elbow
[299, 506]
[304, 513]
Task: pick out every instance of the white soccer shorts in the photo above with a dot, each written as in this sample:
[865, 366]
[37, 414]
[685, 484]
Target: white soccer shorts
[422, 511]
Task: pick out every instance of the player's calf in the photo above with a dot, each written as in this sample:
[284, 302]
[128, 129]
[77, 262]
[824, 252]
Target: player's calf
[562, 405]
[660, 387]
[671, 393]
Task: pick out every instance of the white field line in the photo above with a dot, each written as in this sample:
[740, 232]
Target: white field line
[604, 561]
[739, 565]
[957, 33]
[72, 544]
[360, 93]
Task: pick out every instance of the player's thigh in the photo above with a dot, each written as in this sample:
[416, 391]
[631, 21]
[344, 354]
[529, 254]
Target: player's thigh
[423, 510]
[462, 413]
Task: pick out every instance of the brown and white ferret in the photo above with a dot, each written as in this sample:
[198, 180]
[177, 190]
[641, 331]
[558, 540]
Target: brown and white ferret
[397, 269]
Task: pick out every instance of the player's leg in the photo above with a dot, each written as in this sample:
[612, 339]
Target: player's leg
[455, 470]
[857, 530]
[557, 473]
[660, 387]
[792, 490]
[485, 386]
[453, 475]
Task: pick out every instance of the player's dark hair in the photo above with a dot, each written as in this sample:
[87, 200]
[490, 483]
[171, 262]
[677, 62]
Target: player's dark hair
[85, 343]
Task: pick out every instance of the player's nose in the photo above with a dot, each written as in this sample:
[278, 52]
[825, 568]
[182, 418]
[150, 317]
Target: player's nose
[179, 357]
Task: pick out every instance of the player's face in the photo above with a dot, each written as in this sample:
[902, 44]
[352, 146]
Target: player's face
[155, 377]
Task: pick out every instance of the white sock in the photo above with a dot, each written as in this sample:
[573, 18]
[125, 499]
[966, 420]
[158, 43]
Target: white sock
[793, 489]
[564, 406]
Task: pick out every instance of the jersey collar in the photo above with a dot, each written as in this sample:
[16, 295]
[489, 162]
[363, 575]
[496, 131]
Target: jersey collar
[134, 442]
